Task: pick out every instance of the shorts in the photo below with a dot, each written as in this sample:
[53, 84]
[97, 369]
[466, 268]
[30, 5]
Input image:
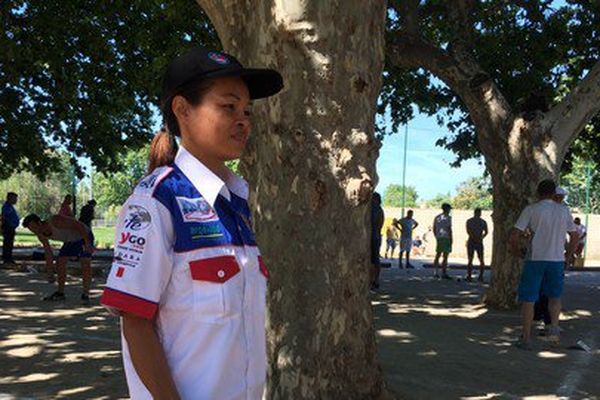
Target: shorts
[75, 249]
[391, 243]
[444, 245]
[474, 247]
[546, 275]
[405, 244]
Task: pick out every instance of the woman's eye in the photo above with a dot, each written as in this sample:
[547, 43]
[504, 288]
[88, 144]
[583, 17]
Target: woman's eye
[230, 107]
[247, 113]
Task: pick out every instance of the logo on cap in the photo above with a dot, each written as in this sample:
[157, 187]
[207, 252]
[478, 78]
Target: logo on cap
[218, 58]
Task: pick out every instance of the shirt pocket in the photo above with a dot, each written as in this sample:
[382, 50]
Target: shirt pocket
[217, 288]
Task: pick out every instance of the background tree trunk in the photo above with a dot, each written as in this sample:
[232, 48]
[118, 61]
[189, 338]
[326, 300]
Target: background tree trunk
[516, 168]
[311, 166]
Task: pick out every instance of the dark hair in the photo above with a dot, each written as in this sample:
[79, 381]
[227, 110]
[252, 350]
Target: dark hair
[31, 218]
[446, 206]
[545, 188]
[92, 202]
[164, 146]
[478, 210]
[11, 194]
[68, 196]
[577, 219]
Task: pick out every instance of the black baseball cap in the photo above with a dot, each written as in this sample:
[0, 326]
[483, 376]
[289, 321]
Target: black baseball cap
[201, 62]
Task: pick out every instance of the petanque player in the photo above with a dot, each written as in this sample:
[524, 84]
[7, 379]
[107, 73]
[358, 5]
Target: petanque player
[442, 229]
[549, 223]
[78, 241]
[187, 277]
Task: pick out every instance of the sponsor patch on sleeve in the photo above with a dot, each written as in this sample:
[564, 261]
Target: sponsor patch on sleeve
[137, 219]
[148, 184]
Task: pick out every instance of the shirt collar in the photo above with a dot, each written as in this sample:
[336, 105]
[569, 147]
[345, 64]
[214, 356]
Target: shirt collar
[207, 182]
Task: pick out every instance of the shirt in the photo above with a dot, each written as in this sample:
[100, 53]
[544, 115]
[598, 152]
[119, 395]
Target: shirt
[407, 225]
[186, 257]
[10, 217]
[442, 226]
[475, 228]
[86, 215]
[581, 231]
[65, 210]
[549, 223]
[391, 233]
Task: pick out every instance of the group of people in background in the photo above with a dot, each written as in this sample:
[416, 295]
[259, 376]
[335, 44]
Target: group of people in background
[75, 234]
[400, 231]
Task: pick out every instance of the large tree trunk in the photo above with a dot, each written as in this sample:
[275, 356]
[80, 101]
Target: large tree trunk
[311, 165]
[527, 157]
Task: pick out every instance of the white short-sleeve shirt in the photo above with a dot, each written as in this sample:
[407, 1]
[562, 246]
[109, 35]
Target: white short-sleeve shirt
[185, 257]
[549, 223]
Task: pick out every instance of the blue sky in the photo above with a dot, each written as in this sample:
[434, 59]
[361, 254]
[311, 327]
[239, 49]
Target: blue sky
[427, 166]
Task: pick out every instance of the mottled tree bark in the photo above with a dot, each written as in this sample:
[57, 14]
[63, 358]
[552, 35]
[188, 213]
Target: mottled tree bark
[311, 166]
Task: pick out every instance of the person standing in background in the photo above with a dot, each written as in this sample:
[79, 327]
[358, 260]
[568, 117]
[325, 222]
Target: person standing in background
[442, 229]
[407, 225]
[549, 223]
[10, 222]
[65, 207]
[88, 213]
[477, 230]
[377, 220]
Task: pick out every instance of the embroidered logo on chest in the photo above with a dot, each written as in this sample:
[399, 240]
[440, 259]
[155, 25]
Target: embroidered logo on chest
[196, 210]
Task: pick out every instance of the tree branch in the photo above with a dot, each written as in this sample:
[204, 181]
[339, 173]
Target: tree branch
[408, 12]
[568, 118]
[487, 107]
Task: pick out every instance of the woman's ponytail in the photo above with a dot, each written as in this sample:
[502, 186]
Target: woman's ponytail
[162, 150]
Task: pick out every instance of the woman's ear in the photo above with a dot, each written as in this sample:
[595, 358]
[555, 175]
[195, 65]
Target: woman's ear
[180, 107]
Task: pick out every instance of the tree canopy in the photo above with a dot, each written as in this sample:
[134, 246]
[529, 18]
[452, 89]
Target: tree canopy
[84, 77]
[392, 196]
[534, 51]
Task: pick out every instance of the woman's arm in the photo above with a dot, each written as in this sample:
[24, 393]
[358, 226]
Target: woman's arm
[148, 357]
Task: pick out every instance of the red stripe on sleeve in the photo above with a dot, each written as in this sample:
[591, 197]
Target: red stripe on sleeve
[128, 303]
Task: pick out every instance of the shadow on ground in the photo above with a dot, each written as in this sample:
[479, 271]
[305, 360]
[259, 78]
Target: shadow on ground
[437, 340]
[54, 350]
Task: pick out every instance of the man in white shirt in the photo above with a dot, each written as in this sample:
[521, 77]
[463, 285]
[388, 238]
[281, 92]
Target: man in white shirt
[549, 223]
[442, 229]
[407, 226]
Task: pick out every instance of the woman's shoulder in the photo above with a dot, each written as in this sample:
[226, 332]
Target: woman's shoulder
[149, 184]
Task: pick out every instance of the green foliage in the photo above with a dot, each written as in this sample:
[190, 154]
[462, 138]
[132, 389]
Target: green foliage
[392, 196]
[233, 165]
[575, 182]
[474, 193]
[112, 189]
[534, 51]
[438, 200]
[470, 194]
[37, 196]
[84, 76]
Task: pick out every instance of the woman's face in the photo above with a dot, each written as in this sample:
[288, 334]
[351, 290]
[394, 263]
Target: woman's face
[217, 129]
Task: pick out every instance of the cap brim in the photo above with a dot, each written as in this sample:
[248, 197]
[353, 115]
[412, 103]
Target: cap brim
[261, 82]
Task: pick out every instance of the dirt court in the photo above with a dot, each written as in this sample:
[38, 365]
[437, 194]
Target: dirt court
[437, 341]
